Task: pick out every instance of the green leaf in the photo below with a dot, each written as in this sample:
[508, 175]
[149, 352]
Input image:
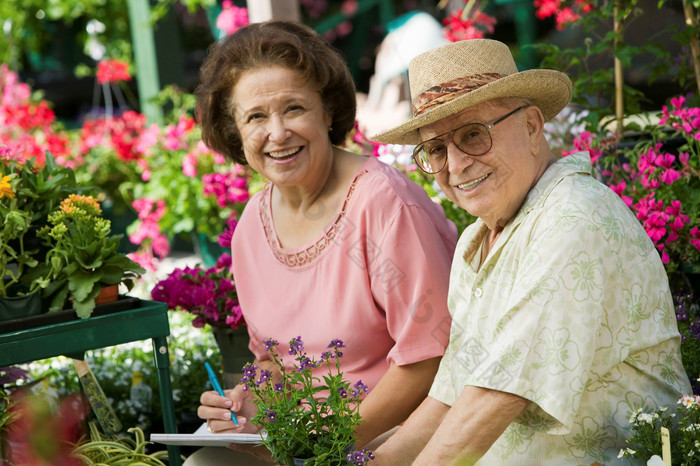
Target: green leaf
[82, 284]
[84, 308]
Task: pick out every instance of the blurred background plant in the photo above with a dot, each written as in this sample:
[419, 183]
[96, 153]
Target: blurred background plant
[55, 379]
[185, 188]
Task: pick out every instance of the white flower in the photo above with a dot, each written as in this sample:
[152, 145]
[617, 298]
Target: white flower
[626, 452]
[689, 400]
[645, 417]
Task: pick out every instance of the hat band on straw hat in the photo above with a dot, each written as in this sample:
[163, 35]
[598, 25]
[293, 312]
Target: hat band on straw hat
[450, 90]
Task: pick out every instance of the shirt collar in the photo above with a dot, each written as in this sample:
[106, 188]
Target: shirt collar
[579, 162]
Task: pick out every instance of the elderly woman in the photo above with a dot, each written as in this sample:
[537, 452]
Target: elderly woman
[563, 323]
[338, 245]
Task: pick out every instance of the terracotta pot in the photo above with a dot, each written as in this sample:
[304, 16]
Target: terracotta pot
[107, 294]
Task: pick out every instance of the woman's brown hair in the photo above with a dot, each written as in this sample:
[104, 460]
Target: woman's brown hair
[271, 43]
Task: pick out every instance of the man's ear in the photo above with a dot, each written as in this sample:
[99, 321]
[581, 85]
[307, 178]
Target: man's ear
[535, 121]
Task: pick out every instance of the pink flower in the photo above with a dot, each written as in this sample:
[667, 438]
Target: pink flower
[189, 165]
[655, 225]
[160, 245]
[679, 218]
[583, 142]
[176, 135]
[664, 255]
[231, 18]
[349, 7]
[147, 139]
[144, 259]
[619, 189]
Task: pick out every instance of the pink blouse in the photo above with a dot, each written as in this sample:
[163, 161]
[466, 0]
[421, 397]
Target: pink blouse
[376, 278]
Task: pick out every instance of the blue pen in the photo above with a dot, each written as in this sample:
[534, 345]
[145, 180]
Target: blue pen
[215, 385]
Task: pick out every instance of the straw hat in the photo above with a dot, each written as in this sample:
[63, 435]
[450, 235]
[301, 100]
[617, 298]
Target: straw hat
[462, 74]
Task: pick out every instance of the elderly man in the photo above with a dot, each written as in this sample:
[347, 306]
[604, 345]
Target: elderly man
[563, 323]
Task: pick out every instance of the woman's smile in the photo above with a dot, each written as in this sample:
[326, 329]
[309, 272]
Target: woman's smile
[286, 154]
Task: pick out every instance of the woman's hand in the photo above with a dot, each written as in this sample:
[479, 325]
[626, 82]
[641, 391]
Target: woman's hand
[216, 410]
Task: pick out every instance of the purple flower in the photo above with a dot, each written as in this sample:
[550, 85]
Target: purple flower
[305, 363]
[279, 387]
[336, 343]
[296, 346]
[270, 343]
[342, 392]
[360, 457]
[10, 375]
[249, 372]
[359, 388]
[271, 414]
[695, 330]
[265, 375]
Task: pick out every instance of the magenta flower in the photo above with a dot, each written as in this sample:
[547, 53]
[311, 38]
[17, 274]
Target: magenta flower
[695, 237]
[225, 238]
[228, 188]
[208, 294]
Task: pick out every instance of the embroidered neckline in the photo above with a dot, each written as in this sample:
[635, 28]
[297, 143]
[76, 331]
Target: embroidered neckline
[313, 251]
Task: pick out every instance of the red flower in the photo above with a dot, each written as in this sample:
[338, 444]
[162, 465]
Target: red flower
[458, 28]
[112, 70]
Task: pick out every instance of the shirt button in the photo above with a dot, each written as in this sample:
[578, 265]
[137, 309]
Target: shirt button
[478, 292]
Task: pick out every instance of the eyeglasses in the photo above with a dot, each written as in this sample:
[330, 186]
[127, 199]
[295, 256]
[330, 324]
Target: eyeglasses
[473, 139]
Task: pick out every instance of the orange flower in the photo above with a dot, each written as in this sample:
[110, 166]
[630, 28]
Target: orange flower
[5, 188]
[89, 203]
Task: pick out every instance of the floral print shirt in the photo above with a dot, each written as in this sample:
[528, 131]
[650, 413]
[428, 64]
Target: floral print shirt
[571, 310]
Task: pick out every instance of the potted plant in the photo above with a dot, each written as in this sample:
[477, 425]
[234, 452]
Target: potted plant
[82, 259]
[307, 421]
[29, 191]
[209, 294]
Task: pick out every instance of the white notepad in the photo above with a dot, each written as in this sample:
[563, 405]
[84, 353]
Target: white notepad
[204, 438]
